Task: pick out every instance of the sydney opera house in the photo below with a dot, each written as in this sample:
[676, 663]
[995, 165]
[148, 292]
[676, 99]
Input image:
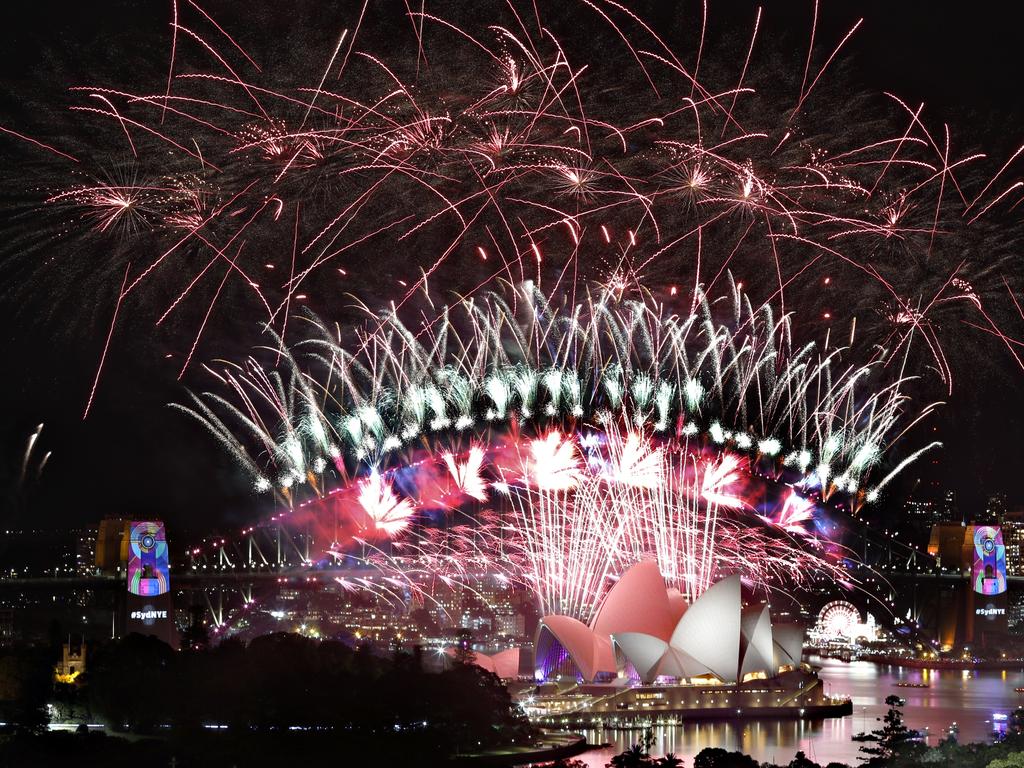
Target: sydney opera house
[647, 651]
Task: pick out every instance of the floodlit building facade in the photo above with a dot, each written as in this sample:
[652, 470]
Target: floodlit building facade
[975, 611]
[644, 632]
[505, 664]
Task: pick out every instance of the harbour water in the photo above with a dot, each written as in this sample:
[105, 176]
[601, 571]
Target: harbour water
[970, 698]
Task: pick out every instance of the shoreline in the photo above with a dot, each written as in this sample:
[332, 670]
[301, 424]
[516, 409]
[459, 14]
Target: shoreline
[958, 664]
[563, 744]
[632, 720]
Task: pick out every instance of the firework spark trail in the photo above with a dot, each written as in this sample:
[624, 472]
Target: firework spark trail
[39, 144]
[388, 512]
[26, 458]
[106, 345]
[467, 474]
[527, 160]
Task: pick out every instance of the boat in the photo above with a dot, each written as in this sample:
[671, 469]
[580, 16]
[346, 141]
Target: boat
[907, 684]
[1019, 689]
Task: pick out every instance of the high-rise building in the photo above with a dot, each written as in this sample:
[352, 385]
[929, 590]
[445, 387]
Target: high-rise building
[924, 511]
[1013, 536]
[995, 508]
[950, 512]
[512, 624]
[926, 508]
[1015, 611]
[85, 552]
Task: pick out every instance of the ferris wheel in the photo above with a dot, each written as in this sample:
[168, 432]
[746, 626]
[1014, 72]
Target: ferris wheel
[838, 620]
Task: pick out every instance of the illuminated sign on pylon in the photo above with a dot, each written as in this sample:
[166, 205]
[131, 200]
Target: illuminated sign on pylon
[988, 572]
[149, 610]
[148, 571]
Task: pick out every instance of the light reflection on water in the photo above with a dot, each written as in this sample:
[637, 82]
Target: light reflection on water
[968, 698]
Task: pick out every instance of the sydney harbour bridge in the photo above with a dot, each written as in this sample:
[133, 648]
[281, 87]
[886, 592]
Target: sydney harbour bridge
[899, 583]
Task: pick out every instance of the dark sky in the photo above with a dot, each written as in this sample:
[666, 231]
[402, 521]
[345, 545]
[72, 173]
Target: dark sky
[135, 456]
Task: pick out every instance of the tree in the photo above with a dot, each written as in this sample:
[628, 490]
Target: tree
[1013, 760]
[648, 740]
[128, 682]
[716, 757]
[336, 695]
[634, 757]
[25, 684]
[640, 754]
[1017, 721]
[883, 744]
[800, 760]
[464, 653]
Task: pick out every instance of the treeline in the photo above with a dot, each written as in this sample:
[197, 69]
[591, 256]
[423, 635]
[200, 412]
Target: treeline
[318, 696]
[285, 681]
[26, 682]
[1008, 753]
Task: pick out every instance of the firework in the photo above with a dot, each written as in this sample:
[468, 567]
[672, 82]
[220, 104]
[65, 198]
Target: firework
[477, 149]
[609, 432]
[386, 510]
[551, 442]
[466, 474]
[740, 384]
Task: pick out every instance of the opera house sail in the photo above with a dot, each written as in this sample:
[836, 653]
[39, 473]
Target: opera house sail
[646, 650]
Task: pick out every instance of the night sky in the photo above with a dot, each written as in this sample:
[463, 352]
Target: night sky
[133, 455]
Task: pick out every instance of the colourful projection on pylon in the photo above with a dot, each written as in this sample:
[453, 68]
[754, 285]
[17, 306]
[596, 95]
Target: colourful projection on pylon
[148, 571]
[989, 570]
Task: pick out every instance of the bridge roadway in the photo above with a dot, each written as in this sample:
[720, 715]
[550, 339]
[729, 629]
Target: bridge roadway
[205, 577]
[908, 575]
[224, 586]
[228, 575]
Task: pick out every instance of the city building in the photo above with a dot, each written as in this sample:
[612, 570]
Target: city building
[1013, 537]
[995, 508]
[72, 661]
[33, 552]
[647, 652]
[85, 552]
[950, 510]
[511, 624]
[923, 511]
[1015, 611]
[932, 504]
[645, 631]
